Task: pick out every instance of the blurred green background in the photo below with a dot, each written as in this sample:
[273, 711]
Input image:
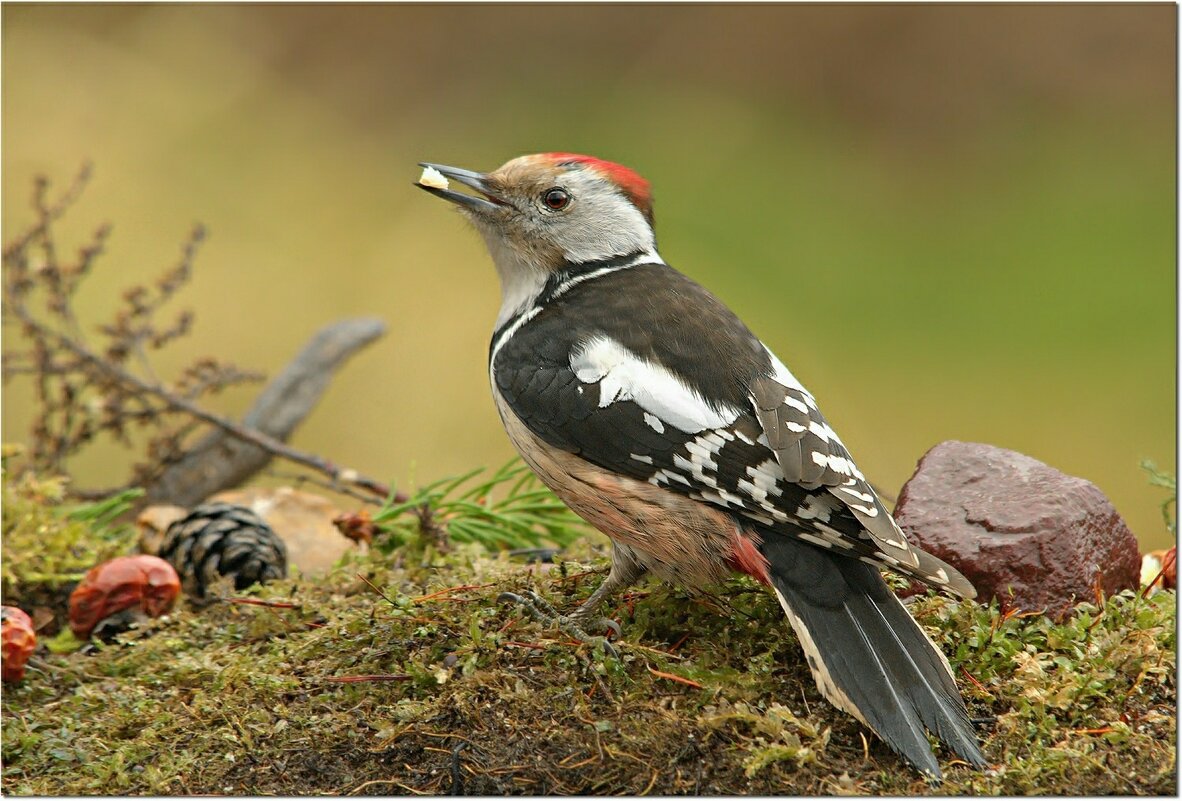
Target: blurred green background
[952, 222]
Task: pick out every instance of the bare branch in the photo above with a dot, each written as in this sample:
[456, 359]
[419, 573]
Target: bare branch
[83, 390]
[239, 431]
[221, 460]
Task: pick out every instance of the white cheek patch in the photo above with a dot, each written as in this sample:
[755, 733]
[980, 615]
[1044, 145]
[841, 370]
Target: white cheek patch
[603, 222]
[622, 375]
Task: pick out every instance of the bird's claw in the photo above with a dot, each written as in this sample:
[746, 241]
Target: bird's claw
[598, 624]
[542, 611]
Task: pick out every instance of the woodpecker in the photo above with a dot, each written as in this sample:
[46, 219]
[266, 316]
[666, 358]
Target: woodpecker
[654, 413]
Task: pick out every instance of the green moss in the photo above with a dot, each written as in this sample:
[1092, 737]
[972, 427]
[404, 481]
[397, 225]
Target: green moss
[710, 694]
[48, 543]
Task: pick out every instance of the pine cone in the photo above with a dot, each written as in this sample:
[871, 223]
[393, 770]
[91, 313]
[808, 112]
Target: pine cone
[220, 539]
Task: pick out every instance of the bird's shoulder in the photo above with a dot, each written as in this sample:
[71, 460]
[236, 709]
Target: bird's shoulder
[653, 313]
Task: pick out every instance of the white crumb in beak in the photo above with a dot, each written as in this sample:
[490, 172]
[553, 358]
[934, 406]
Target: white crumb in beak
[433, 178]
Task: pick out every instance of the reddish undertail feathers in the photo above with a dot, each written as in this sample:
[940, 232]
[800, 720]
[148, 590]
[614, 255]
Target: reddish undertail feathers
[634, 187]
[745, 557]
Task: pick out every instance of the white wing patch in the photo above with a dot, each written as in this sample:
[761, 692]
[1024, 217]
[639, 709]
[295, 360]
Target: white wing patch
[622, 375]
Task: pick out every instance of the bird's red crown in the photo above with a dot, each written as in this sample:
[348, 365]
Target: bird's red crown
[634, 187]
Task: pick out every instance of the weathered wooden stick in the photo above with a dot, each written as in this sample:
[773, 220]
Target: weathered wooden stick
[221, 460]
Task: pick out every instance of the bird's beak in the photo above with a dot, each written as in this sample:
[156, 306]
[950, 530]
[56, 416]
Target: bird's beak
[476, 180]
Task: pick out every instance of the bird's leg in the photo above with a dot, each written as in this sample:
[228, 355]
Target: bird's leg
[541, 610]
[625, 570]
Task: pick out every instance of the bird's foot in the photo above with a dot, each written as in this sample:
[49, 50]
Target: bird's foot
[542, 611]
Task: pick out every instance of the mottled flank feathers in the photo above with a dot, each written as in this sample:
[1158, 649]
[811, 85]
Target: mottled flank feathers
[657, 404]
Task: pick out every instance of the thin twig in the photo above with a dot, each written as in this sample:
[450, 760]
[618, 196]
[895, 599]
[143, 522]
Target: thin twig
[172, 401]
[84, 389]
[222, 459]
[660, 674]
[375, 588]
[448, 591]
[258, 602]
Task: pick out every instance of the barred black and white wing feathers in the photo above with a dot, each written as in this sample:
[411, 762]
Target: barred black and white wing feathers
[695, 403]
[810, 454]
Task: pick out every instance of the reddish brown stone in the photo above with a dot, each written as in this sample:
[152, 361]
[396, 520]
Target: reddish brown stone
[1019, 530]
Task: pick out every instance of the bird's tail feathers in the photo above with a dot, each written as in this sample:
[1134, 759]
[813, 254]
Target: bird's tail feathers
[867, 654]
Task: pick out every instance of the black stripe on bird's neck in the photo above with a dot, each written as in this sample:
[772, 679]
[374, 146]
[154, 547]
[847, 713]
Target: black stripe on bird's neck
[572, 273]
[571, 268]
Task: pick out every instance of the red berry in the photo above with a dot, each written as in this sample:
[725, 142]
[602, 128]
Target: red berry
[125, 582]
[18, 641]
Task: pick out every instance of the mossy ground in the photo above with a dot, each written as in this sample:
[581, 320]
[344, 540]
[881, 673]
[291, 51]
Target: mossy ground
[432, 686]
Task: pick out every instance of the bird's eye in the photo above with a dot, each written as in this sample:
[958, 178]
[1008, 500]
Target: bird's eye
[556, 199]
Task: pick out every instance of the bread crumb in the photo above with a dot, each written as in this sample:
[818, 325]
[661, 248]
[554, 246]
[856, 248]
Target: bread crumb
[433, 178]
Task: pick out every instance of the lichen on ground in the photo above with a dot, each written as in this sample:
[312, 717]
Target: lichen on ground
[400, 673]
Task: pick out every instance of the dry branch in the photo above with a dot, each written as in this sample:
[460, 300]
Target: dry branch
[222, 459]
[84, 390]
